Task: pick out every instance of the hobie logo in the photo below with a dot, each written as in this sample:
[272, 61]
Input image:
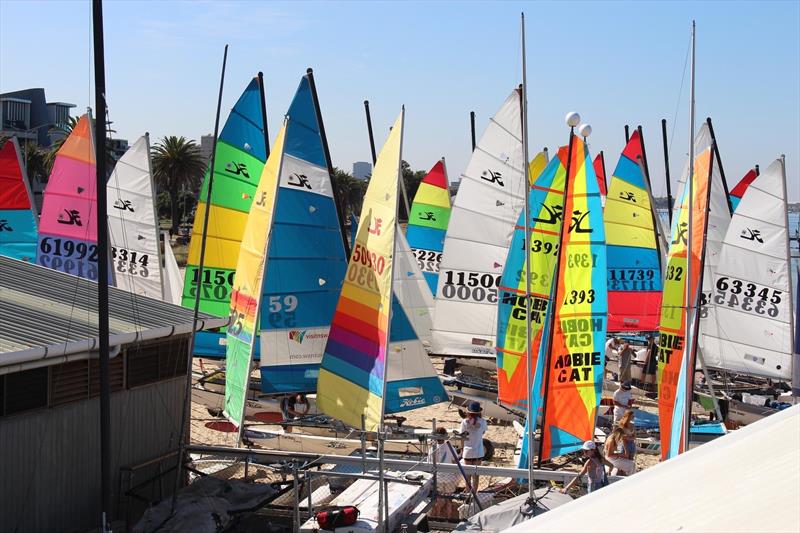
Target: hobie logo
[627, 196]
[73, 218]
[553, 213]
[375, 226]
[752, 235]
[240, 169]
[299, 180]
[428, 215]
[577, 219]
[683, 229]
[492, 177]
[124, 205]
[412, 402]
[5, 226]
[297, 335]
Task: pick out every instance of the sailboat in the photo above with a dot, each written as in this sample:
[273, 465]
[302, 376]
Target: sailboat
[634, 255]
[241, 151]
[427, 224]
[572, 360]
[740, 188]
[173, 278]
[133, 224]
[489, 200]
[18, 218]
[600, 171]
[67, 226]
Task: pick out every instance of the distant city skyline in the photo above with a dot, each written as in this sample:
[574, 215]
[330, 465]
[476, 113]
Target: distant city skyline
[613, 62]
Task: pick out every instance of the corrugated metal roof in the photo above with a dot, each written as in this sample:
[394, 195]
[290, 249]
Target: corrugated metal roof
[40, 307]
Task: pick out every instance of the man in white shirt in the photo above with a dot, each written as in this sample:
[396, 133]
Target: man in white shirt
[622, 400]
[473, 428]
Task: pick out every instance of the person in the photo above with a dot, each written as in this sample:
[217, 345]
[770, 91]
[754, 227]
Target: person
[650, 365]
[626, 355]
[611, 346]
[622, 400]
[628, 428]
[293, 406]
[473, 427]
[593, 466]
[618, 454]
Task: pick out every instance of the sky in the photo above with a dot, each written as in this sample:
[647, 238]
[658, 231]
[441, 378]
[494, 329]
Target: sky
[616, 63]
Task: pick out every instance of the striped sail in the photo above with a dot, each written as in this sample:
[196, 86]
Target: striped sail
[133, 224]
[738, 191]
[68, 224]
[482, 221]
[247, 284]
[353, 371]
[307, 260]
[752, 293]
[173, 278]
[239, 160]
[18, 233]
[634, 260]
[427, 225]
[672, 348]
[546, 201]
[575, 366]
[411, 380]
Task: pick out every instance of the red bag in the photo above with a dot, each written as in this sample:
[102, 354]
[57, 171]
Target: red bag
[338, 517]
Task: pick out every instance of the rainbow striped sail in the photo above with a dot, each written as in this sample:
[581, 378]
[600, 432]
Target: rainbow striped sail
[247, 285]
[738, 191]
[574, 368]
[18, 233]
[673, 347]
[68, 225]
[239, 161]
[427, 225]
[546, 201]
[307, 260]
[353, 373]
[634, 258]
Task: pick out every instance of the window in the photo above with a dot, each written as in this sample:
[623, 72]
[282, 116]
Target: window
[148, 363]
[26, 390]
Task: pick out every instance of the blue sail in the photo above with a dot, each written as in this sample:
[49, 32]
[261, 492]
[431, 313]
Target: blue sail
[306, 258]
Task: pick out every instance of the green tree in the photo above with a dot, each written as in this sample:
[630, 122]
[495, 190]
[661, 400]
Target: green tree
[177, 165]
[350, 191]
[411, 179]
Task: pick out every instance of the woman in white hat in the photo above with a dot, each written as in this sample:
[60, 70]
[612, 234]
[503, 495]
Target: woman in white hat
[594, 467]
[473, 427]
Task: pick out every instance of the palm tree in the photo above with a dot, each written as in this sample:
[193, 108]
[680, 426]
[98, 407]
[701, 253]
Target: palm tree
[177, 164]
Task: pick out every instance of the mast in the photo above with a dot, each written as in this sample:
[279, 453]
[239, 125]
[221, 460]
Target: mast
[572, 119]
[792, 317]
[263, 113]
[627, 134]
[666, 168]
[472, 127]
[758, 172]
[188, 390]
[529, 369]
[371, 137]
[382, 487]
[102, 263]
[719, 164]
[688, 295]
[336, 195]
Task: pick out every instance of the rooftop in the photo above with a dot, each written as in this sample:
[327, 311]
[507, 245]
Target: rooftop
[45, 313]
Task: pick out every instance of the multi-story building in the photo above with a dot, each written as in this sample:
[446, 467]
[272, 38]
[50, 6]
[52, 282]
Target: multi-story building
[361, 170]
[27, 115]
[206, 147]
[118, 147]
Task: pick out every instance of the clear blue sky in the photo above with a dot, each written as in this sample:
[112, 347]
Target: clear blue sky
[614, 62]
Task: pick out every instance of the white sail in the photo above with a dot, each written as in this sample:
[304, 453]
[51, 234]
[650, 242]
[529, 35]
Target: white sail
[412, 289]
[132, 223]
[490, 198]
[173, 279]
[751, 299]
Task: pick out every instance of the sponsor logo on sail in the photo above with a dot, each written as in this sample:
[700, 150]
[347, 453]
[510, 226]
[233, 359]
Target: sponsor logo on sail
[300, 335]
[412, 402]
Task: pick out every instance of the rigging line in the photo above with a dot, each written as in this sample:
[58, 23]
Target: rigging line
[678, 102]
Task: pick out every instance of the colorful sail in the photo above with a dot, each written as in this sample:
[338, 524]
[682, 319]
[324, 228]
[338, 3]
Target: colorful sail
[575, 366]
[173, 278]
[307, 260]
[133, 224]
[537, 166]
[239, 161]
[634, 259]
[600, 171]
[18, 233]
[411, 380]
[488, 204]
[247, 285]
[353, 372]
[751, 296]
[546, 202]
[738, 191]
[427, 225]
[68, 225]
[673, 346]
